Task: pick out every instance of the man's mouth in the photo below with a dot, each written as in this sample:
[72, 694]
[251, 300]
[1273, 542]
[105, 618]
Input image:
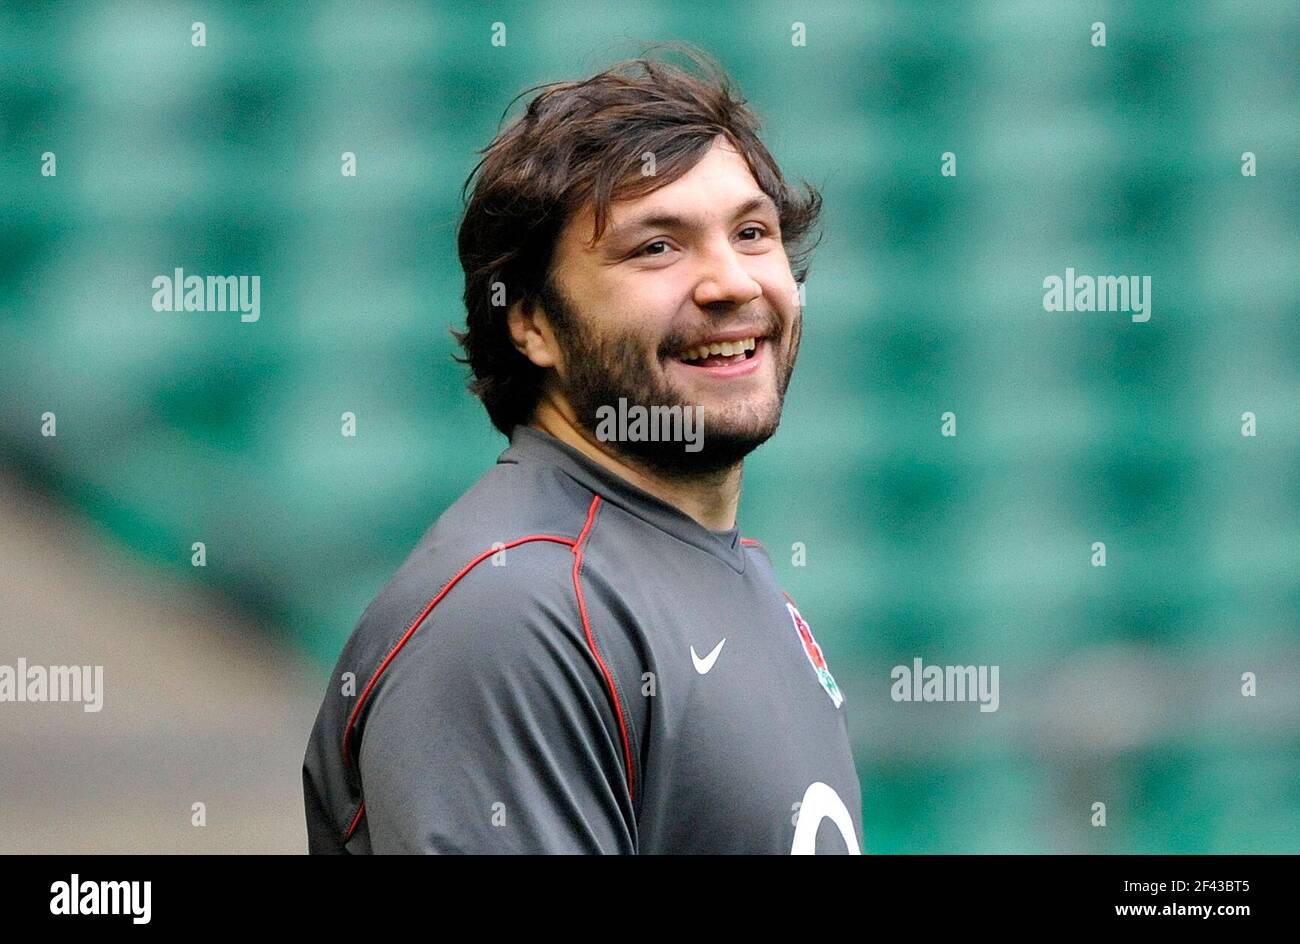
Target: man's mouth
[720, 353]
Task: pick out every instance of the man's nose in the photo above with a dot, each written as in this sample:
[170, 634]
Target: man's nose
[723, 279]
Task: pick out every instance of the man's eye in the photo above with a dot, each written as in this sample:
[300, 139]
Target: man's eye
[762, 231]
[642, 251]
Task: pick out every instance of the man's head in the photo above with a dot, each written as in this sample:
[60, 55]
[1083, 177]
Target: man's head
[615, 228]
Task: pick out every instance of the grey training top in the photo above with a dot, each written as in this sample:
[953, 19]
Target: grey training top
[566, 663]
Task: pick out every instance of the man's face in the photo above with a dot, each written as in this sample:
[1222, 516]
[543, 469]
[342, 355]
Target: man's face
[697, 262]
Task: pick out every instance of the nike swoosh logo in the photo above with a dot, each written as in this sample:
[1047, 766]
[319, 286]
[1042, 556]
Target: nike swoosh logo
[703, 665]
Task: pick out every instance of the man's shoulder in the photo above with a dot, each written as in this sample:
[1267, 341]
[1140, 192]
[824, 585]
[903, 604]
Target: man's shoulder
[505, 542]
[510, 503]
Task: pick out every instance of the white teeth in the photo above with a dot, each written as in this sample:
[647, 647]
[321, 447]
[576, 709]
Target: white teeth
[725, 348]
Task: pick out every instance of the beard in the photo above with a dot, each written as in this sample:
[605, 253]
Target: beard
[601, 369]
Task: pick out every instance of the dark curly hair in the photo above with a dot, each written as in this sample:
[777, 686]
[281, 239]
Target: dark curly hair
[580, 141]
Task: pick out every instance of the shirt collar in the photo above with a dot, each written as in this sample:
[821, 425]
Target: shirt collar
[529, 444]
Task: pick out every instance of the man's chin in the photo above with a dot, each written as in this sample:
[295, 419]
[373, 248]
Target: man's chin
[717, 451]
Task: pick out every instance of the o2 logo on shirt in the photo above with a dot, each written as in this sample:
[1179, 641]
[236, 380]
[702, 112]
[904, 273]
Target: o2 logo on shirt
[814, 654]
[820, 801]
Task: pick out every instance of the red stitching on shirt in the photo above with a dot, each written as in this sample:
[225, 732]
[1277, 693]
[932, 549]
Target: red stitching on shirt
[410, 631]
[356, 819]
[591, 641]
[752, 542]
[576, 547]
[415, 624]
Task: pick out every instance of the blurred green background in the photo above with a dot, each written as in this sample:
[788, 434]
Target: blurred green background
[1119, 684]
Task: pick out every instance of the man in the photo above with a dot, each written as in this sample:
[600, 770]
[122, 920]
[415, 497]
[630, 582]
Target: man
[582, 654]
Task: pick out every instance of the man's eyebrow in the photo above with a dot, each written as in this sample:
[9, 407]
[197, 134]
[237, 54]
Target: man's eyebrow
[653, 220]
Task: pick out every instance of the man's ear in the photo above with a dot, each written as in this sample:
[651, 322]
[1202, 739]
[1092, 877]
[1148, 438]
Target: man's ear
[531, 333]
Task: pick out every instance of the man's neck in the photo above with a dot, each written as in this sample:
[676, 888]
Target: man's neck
[710, 500]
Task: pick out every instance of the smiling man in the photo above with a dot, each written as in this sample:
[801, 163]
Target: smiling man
[582, 654]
